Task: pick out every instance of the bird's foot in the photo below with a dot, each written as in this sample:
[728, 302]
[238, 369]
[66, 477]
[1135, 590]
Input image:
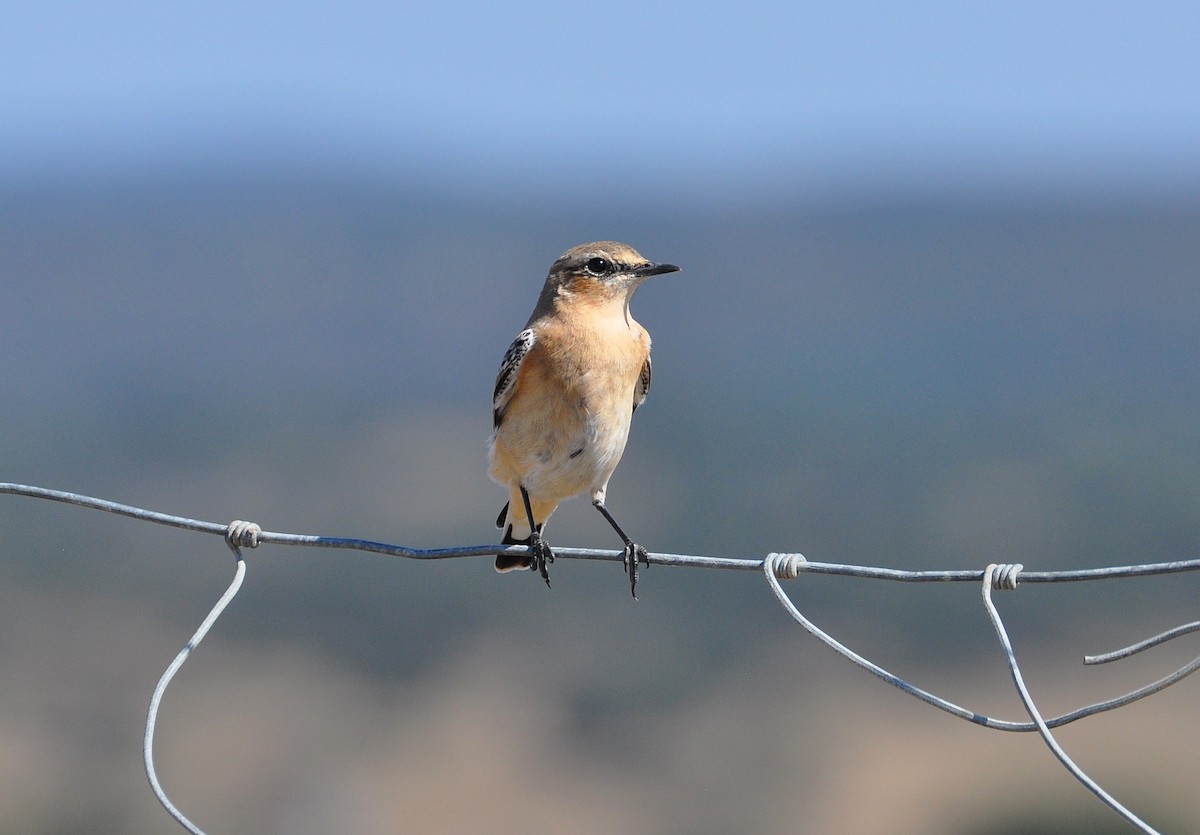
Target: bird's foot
[542, 556]
[634, 554]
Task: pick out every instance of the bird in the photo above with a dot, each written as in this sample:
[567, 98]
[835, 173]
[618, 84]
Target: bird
[565, 394]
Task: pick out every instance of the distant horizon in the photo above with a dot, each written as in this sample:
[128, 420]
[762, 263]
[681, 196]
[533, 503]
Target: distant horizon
[820, 189]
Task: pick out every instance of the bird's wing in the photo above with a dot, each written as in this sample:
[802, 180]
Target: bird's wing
[506, 377]
[643, 385]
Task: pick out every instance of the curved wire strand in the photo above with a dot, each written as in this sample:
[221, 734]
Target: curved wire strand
[1134, 649]
[775, 564]
[1035, 715]
[161, 688]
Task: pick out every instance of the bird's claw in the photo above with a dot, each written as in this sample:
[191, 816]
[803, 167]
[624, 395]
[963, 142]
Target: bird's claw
[634, 554]
[542, 557]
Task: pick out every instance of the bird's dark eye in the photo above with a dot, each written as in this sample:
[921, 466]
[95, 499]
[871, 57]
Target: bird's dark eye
[598, 266]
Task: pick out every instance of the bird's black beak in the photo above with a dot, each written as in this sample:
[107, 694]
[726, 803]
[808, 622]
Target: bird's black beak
[655, 269]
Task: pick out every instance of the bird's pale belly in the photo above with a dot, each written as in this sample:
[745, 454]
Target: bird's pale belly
[562, 458]
[581, 465]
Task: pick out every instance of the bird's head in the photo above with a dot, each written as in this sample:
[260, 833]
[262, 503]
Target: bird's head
[603, 270]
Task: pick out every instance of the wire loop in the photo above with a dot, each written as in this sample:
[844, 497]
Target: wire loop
[1004, 576]
[242, 534]
[787, 566]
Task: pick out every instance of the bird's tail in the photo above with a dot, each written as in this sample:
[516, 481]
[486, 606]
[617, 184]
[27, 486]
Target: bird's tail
[504, 562]
[514, 521]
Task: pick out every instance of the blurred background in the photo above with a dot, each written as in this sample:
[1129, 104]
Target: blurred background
[939, 308]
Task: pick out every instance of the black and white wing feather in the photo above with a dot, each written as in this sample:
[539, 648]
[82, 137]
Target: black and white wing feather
[506, 377]
[643, 385]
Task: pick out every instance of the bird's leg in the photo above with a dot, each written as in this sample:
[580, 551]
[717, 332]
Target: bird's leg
[634, 553]
[540, 548]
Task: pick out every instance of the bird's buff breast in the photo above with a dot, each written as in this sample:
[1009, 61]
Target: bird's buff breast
[561, 443]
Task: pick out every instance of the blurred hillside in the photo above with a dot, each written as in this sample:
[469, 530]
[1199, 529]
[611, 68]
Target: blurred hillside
[919, 383]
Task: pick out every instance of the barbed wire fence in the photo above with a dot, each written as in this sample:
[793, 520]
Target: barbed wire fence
[775, 567]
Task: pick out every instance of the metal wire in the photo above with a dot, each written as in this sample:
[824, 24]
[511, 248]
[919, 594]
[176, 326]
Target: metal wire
[161, 688]
[774, 567]
[996, 576]
[679, 560]
[1161, 638]
[990, 580]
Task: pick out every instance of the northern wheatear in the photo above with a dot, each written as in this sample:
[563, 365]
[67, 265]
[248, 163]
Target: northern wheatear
[565, 394]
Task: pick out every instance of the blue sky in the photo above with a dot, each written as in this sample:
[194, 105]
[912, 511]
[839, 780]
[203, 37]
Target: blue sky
[618, 95]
